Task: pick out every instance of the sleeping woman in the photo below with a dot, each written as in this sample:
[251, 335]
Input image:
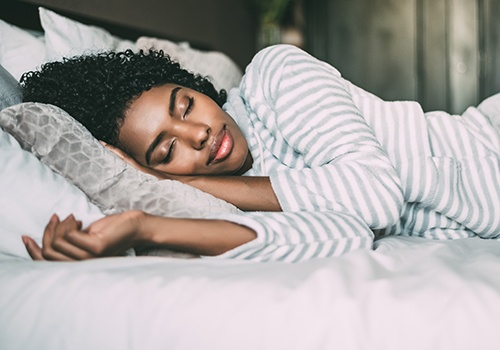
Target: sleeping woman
[320, 166]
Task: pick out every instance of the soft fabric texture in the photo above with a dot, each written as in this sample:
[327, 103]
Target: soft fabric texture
[30, 194]
[224, 73]
[68, 148]
[491, 108]
[10, 91]
[323, 218]
[65, 37]
[346, 152]
[408, 294]
[113, 185]
[20, 51]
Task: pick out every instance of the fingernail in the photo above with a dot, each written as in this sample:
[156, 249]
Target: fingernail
[103, 143]
[26, 240]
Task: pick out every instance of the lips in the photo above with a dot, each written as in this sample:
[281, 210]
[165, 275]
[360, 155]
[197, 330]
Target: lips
[221, 147]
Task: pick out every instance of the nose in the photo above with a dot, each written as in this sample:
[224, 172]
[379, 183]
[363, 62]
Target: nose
[193, 133]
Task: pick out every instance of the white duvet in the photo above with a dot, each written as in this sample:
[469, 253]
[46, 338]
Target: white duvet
[407, 294]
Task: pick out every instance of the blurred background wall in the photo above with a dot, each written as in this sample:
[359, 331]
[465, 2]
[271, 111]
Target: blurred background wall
[442, 53]
[225, 25]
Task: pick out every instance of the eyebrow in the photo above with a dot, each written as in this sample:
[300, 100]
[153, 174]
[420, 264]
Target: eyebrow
[173, 96]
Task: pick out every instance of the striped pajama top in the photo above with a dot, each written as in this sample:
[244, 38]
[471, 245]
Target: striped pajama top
[346, 165]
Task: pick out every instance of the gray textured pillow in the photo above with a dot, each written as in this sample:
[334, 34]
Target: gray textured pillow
[69, 149]
[10, 91]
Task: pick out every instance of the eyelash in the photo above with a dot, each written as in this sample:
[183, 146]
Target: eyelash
[169, 154]
[170, 150]
[189, 107]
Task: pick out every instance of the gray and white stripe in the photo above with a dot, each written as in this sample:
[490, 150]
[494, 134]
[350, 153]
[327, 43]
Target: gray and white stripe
[343, 162]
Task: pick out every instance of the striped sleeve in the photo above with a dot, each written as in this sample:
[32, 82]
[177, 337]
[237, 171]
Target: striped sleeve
[294, 237]
[307, 105]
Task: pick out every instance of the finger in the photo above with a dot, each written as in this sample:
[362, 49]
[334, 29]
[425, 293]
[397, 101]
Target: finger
[54, 232]
[46, 253]
[69, 250]
[49, 231]
[60, 242]
[33, 249]
[68, 223]
[87, 242]
[106, 145]
[96, 245]
[118, 152]
[51, 254]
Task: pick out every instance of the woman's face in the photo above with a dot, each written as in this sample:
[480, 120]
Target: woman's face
[179, 131]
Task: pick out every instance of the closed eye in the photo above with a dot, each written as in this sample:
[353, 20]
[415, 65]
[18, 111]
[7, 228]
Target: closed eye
[173, 98]
[168, 157]
[189, 107]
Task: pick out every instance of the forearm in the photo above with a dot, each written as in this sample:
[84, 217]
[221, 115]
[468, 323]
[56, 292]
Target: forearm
[196, 236]
[250, 193]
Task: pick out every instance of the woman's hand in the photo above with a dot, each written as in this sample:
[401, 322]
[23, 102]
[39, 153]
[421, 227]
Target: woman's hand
[114, 234]
[65, 241]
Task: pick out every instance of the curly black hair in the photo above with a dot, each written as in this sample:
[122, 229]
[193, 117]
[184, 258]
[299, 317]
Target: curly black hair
[98, 89]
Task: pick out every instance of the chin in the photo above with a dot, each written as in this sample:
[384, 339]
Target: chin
[242, 168]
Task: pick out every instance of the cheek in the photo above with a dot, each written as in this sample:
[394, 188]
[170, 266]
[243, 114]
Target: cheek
[241, 145]
[186, 163]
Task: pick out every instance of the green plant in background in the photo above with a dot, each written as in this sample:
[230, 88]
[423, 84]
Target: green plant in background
[274, 16]
[272, 11]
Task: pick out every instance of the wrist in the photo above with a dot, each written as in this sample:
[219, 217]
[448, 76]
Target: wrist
[186, 179]
[140, 221]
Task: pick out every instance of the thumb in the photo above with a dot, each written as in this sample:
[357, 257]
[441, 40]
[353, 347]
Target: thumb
[33, 248]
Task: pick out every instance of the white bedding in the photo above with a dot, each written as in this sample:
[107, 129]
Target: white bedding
[22, 50]
[407, 294]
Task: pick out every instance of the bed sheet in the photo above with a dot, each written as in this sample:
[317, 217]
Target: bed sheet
[407, 294]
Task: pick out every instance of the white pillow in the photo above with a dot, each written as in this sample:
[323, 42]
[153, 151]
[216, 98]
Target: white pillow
[65, 37]
[224, 73]
[20, 51]
[10, 91]
[30, 194]
[68, 148]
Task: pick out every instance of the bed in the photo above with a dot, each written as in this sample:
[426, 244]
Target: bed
[406, 293]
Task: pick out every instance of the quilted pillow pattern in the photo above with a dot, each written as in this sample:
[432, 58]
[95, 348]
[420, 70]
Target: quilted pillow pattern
[69, 149]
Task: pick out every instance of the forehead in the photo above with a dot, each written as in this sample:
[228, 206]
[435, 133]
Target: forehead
[150, 105]
[153, 96]
[144, 117]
